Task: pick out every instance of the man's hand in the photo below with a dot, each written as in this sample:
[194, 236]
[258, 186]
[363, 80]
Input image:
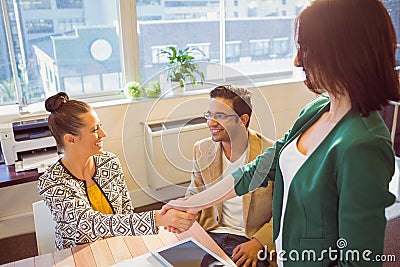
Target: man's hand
[246, 253]
[178, 220]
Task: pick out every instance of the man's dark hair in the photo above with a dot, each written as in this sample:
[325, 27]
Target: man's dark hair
[241, 98]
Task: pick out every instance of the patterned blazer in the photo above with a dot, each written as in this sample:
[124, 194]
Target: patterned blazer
[257, 205]
[76, 221]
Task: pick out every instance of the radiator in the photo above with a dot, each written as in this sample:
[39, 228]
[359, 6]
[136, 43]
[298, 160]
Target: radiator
[169, 150]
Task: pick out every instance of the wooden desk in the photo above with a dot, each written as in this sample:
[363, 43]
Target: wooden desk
[116, 249]
[8, 176]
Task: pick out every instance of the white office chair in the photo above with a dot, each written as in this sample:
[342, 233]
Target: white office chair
[44, 228]
[394, 185]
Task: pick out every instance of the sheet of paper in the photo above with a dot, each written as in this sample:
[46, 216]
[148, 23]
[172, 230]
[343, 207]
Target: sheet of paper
[146, 260]
[37, 160]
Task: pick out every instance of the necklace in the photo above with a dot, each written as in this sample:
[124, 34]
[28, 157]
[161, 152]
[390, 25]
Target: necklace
[84, 173]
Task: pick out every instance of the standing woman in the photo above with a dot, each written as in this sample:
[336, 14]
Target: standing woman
[85, 190]
[332, 169]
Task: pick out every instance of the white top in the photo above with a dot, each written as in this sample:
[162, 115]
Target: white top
[290, 161]
[232, 210]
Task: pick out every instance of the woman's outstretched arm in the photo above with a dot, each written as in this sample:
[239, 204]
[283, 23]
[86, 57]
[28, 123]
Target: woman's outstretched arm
[219, 192]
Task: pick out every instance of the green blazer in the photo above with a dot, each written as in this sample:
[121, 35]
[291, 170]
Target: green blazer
[337, 199]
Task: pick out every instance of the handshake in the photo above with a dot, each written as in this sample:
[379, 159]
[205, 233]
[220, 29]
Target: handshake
[178, 215]
[175, 216]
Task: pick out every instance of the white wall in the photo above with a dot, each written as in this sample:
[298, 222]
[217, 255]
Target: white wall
[122, 123]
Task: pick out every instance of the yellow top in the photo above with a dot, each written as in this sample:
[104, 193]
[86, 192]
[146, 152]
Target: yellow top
[98, 200]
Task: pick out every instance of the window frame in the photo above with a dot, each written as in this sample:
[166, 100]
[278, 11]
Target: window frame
[129, 41]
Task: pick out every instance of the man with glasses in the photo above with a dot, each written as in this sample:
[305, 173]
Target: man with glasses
[241, 226]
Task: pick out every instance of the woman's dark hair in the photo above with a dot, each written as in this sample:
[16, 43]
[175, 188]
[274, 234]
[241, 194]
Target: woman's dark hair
[241, 98]
[65, 117]
[348, 46]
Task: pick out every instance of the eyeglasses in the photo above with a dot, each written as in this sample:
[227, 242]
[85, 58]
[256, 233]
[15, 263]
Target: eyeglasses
[218, 116]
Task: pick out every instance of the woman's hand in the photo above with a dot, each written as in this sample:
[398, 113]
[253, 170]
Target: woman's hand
[177, 220]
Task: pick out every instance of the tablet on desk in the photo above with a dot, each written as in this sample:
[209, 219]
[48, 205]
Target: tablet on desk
[188, 252]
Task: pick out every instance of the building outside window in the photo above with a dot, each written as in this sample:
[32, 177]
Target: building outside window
[204, 47]
[40, 4]
[259, 49]
[63, 4]
[73, 85]
[112, 81]
[68, 24]
[39, 26]
[280, 47]
[91, 83]
[233, 51]
[148, 2]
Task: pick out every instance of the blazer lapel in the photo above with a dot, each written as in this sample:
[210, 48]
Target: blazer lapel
[214, 170]
[255, 147]
[253, 151]
[214, 160]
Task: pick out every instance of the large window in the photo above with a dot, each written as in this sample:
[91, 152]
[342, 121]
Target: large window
[70, 46]
[7, 88]
[196, 22]
[77, 46]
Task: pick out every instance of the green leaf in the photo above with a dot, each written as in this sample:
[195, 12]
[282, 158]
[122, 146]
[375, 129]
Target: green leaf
[182, 64]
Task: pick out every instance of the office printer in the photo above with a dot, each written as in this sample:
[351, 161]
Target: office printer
[28, 144]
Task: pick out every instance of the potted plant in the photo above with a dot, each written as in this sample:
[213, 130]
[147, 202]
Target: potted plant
[182, 65]
[153, 89]
[134, 89]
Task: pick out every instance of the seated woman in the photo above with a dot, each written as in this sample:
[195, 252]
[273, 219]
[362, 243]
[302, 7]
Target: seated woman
[85, 190]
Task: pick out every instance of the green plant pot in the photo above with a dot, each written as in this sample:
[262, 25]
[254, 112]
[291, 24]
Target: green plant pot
[153, 90]
[134, 90]
[177, 90]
